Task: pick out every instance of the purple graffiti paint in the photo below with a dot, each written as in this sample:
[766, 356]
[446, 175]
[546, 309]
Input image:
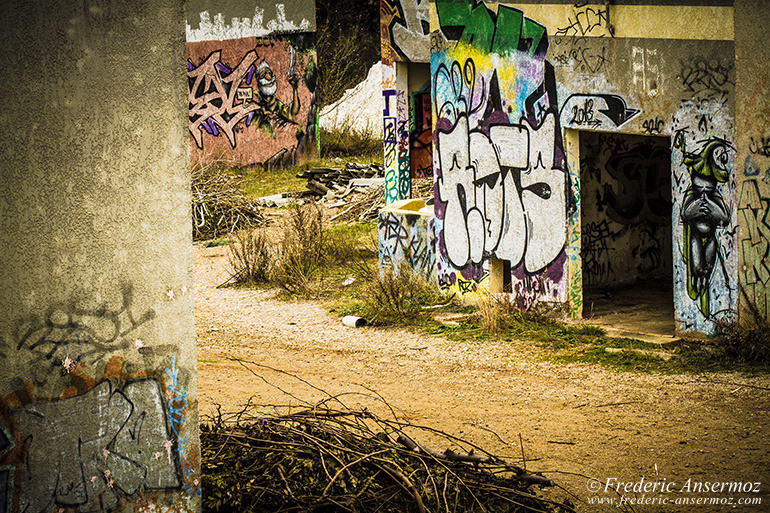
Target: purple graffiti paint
[190, 65]
[224, 69]
[249, 118]
[213, 130]
[554, 272]
[473, 272]
[250, 75]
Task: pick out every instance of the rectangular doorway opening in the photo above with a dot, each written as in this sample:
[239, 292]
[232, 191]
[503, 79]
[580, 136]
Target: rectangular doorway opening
[626, 232]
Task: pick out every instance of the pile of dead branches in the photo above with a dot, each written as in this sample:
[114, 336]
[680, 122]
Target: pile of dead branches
[365, 205]
[218, 205]
[320, 459]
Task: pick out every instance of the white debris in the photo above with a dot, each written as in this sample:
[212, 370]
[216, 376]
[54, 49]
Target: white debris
[360, 108]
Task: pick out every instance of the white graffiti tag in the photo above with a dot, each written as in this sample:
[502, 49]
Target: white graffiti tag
[491, 213]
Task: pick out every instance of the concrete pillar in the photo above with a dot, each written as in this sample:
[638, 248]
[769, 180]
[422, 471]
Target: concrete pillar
[396, 121]
[98, 395]
[752, 86]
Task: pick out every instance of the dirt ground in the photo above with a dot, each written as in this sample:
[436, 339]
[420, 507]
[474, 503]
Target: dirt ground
[622, 429]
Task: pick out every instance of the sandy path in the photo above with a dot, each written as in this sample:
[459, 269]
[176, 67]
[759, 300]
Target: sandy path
[579, 419]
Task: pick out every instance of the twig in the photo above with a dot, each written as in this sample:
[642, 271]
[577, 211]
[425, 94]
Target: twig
[340, 471]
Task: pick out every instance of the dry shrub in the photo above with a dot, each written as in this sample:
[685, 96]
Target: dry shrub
[300, 253]
[250, 257]
[494, 312]
[219, 207]
[397, 295]
[501, 313]
[748, 340]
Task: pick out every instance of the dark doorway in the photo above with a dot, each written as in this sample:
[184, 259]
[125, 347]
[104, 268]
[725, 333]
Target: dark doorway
[626, 229]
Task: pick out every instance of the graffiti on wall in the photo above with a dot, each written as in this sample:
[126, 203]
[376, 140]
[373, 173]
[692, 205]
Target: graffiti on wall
[404, 30]
[595, 111]
[486, 211]
[703, 212]
[249, 102]
[502, 190]
[90, 451]
[72, 335]
[705, 257]
[706, 78]
[407, 239]
[754, 209]
[504, 32]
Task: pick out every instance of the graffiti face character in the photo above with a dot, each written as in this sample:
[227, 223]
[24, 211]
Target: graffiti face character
[266, 80]
[703, 211]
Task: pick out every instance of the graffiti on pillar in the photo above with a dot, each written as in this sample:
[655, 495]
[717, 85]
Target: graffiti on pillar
[6, 472]
[256, 107]
[396, 144]
[502, 190]
[67, 336]
[93, 451]
[754, 213]
[703, 212]
[178, 407]
[404, 30]
[407, 239]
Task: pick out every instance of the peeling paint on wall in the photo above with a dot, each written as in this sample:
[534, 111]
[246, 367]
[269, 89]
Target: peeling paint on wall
[216, 28]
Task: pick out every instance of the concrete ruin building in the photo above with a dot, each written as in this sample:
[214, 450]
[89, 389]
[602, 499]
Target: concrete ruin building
[576, 146]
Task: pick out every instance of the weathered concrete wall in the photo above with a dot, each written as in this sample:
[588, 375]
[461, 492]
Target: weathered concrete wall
[501, 180]
[252, 82]
[98, 395]
[752, 31]
[406, 237]
[511, 82]
[625, 208]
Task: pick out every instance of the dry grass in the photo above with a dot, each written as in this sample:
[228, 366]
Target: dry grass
[250, 257]
[397, 296]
